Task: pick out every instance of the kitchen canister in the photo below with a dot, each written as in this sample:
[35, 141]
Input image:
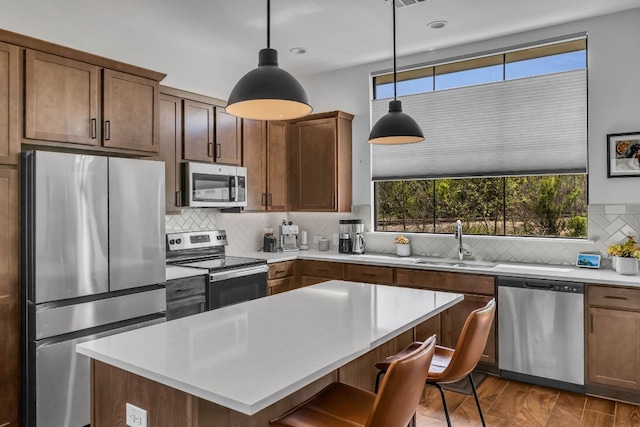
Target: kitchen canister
[323, 244]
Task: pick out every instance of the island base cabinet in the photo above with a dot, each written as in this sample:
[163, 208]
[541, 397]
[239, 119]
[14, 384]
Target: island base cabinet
[614, 348]
[112, 388]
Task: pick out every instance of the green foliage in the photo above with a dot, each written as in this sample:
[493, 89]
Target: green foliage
[534, 205]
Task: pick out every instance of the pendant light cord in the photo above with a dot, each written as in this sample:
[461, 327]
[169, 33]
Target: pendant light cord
[269, 24]
[394, 49]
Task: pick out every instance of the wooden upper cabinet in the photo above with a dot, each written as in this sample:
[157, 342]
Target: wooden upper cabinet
[61, 99]
[228, 138]
[276, 166]
[254, 159]
[198, 129]
[320, 163]
[9, 99]
[264, 154]
[130, 114]
[63, 102]
[170, 131]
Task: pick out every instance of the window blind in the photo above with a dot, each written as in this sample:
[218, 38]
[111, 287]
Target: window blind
[535, 125]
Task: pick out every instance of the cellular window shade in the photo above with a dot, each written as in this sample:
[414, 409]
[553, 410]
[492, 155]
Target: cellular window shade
[535, 125]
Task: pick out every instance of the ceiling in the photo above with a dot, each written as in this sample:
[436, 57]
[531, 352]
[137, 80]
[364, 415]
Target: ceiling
[205, 46]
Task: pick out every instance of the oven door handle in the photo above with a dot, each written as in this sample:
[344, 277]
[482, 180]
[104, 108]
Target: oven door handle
[241, 272]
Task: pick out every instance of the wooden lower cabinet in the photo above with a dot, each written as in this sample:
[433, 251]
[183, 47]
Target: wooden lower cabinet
[369, 274]
[448, 325]
[9, 297]
[613, 342]
[312, 272]
[280, 277]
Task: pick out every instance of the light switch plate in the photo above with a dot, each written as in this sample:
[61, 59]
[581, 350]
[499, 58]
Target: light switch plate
[136, 417]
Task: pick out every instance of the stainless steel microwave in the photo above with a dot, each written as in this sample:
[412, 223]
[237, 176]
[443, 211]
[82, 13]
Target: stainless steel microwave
[207, 185]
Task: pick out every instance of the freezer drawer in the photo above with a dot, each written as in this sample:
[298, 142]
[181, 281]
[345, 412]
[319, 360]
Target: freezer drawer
[53, 321]
[62, 388]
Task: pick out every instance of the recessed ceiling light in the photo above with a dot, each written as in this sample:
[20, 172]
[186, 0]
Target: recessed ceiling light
[298, 50]
[436, 25]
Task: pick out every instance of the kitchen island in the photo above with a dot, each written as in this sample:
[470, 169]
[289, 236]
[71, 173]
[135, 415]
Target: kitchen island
[245, 364]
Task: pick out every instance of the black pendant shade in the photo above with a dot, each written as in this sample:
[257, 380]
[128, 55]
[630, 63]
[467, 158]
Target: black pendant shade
[395, 127]
[268, 92]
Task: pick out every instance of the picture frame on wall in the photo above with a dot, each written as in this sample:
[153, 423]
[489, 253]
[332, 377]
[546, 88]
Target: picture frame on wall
[623, 158]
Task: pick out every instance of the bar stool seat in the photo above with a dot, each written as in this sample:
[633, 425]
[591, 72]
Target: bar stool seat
[342, 405]
[449, 365]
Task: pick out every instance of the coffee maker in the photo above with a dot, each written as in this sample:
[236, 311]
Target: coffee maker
[288, 236]
[351, 236]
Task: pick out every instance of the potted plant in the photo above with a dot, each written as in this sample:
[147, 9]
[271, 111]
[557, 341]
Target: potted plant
[403, 246]
[625, 256]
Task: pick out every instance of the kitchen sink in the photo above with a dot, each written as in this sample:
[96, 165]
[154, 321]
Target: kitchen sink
[457, 264]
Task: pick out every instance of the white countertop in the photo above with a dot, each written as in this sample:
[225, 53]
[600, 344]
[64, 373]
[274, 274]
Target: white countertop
[543, 271]
[250, 355]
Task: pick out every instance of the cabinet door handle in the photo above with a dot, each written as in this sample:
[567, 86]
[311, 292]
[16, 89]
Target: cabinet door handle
[94, 129]
[219, 150]
[210, 149]
[179, 198]
[264, 199]
[591, 322]
[333, 200]
[270, 199]
[107, 130]
[615, 297]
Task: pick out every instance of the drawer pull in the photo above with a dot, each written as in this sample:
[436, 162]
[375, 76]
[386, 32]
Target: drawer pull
[369, 274]
[615, 297]
[280, 271]
[321, 270]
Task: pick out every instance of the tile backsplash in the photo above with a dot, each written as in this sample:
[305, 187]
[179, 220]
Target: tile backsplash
[607, 224]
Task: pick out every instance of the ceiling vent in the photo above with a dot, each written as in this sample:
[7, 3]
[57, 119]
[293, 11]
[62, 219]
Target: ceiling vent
[403, 3]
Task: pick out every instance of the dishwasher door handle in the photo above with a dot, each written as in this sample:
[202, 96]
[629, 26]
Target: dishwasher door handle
[533, 285]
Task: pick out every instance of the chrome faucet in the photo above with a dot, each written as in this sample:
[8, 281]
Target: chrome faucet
[462, 252]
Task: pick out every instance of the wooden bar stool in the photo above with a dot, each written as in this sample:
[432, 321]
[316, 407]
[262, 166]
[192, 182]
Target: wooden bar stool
[449, 365]
[342, 405]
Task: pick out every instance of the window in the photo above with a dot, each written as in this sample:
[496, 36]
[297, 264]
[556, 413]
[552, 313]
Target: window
[535, 61]
[551, 206]
[505, 149]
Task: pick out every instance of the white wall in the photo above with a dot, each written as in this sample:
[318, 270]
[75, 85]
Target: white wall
[614, 94]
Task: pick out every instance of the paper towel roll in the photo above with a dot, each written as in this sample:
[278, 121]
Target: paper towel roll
[303, 238]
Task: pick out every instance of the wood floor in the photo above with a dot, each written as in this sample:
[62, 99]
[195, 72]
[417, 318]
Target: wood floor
[509, 403]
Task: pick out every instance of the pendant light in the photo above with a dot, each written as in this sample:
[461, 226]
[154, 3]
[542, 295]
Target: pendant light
[395, 127]
[268, 92]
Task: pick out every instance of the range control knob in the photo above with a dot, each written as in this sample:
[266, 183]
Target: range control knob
[171, 242]
[178, 241]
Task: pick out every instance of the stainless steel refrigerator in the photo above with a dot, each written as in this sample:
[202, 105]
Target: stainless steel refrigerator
[93, 264]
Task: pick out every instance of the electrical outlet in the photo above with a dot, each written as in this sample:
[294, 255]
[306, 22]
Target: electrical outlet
[316, 238]
[335, 240]
[136, 417]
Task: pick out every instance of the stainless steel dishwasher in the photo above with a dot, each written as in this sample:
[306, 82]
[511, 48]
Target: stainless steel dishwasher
[541, 332]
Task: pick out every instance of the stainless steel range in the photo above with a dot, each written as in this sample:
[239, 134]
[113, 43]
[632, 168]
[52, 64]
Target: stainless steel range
[232, 279]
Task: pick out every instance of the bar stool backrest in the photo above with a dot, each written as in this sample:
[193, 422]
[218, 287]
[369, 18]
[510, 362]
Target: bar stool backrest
[402, 387]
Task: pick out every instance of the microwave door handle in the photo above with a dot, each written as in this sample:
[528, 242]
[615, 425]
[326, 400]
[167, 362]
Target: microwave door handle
[232, 189]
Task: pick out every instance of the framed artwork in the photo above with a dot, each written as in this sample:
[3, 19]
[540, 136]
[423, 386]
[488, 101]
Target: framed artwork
[623, 155]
